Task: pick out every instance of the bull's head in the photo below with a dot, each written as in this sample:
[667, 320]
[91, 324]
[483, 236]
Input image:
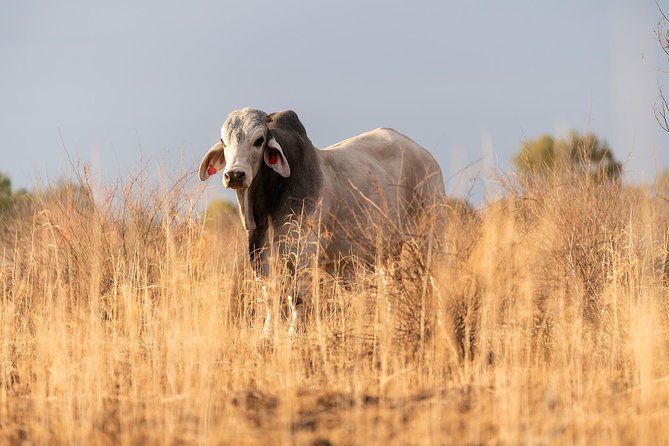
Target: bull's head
[246, 142]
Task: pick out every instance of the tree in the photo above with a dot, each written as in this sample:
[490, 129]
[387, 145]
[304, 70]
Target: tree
[579, 153]
[5, 193]
[222, 213]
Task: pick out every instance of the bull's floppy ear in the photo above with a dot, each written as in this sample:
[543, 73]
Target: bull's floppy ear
[213, 161]
[275, 158]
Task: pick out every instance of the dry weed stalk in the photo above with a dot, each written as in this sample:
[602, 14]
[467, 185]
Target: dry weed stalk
[126, 317]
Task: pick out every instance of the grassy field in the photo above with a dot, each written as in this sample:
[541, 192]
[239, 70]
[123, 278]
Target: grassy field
[127, 318]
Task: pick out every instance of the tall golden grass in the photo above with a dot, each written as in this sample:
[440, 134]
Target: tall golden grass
[127, 318]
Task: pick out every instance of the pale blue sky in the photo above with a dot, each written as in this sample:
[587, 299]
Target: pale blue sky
[125, 81]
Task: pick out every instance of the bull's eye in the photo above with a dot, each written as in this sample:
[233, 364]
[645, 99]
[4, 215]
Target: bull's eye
[258, 142]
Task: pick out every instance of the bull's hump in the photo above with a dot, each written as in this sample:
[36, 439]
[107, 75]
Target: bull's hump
[288, 120]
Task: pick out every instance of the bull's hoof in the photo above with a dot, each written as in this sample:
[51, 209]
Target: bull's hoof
[296, 323]
[267, 327]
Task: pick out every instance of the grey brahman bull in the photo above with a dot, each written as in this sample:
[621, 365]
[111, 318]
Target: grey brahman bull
[346, 200]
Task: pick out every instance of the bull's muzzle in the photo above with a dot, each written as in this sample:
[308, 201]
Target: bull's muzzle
[234, 179]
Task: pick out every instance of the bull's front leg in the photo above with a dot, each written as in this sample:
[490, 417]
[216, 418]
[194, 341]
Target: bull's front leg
[260, 262]
[298, 248]
[267, 324]
[303, 253]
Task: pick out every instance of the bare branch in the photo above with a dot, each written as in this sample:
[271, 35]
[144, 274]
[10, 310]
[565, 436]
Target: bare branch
[661, 110]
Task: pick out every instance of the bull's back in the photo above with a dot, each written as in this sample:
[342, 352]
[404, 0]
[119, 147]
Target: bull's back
[386, 157]
[375, 182]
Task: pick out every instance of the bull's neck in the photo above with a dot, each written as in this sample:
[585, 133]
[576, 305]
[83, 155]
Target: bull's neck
[273, 197]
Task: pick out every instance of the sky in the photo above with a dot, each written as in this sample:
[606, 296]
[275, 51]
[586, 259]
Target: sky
[121, 84]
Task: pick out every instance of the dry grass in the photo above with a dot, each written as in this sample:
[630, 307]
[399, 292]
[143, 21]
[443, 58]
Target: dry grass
[543, 319]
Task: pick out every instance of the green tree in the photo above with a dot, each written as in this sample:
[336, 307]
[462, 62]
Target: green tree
[222, 213]
[580, 153]
[5, 193]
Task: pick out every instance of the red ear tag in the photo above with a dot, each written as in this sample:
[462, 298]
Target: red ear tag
[212, 170]
[273, 158]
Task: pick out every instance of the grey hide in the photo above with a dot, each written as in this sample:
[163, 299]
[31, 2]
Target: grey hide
[359, 197]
